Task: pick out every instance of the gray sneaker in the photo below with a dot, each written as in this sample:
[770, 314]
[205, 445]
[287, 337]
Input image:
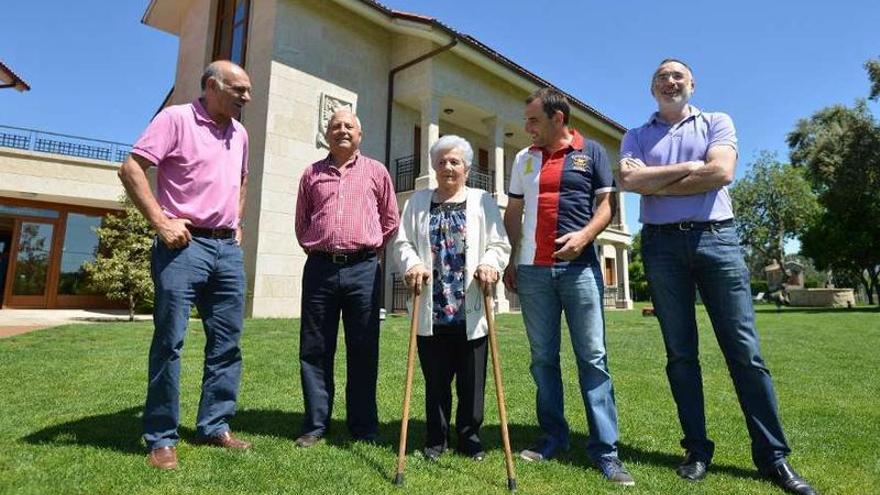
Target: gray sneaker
[614, 471]
[531, 455]
[541, 451]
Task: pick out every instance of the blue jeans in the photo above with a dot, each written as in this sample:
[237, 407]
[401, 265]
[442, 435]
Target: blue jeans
[544, 293]
[210, 274]
[677, 261]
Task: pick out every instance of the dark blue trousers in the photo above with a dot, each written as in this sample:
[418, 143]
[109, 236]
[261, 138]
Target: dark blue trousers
[352, 290]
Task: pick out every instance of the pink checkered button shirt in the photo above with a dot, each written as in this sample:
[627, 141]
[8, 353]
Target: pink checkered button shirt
[345, 212]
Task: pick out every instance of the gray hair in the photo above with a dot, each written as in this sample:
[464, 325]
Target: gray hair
[218, 70]
[452, 142]
[349, 110]
[214, 70]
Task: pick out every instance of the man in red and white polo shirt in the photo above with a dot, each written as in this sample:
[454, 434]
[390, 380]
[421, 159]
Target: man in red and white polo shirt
[560, 199]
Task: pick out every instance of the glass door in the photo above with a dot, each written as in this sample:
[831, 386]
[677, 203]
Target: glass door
[30, 259]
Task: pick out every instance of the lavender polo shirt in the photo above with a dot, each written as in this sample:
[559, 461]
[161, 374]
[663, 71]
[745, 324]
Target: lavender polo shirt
[200, 166]
[657, 143]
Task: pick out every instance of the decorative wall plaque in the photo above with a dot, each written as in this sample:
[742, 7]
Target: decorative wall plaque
[327, 106]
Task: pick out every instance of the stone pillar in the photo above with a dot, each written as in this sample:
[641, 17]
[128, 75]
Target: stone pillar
[496, 152]
[624, 301]
[430, 124]
[621, 211]
[495, 131]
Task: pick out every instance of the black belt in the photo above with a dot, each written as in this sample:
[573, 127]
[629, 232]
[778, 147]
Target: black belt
[211, 233]
[691, 225]
[345, 258]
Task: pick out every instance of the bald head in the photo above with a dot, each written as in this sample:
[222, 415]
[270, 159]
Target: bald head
[220, 70]
[226, 89]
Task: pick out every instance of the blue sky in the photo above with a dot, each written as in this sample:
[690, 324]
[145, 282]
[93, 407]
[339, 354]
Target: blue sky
[96, 71]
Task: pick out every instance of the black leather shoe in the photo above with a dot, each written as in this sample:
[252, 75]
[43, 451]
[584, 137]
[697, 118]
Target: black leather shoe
[433, 453]
[692, 468]
[478, 456]
[307, 440]
[788, 479]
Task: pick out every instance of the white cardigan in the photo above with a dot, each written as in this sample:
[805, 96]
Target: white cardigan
[486, 241]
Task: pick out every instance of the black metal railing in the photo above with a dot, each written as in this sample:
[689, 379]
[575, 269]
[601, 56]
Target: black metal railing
[512, 299]
[399, 294]
[621, 295]
[481, 180]
[62, 144]
[406, 168]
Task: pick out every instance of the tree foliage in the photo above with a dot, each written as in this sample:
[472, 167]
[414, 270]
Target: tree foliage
[873, 68]
[638, 280]
[773, 204]
[839, 150]
[121, 270]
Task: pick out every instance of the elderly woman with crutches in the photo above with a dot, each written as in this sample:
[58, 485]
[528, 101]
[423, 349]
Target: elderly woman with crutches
[452, 248]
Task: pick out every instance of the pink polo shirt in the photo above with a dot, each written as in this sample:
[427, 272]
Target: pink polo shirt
[200, 166]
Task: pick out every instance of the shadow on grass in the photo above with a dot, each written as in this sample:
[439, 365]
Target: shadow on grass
[121, 431]
[285, 424]
[522, 436]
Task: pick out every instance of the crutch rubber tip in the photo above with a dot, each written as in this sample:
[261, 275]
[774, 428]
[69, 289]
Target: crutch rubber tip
[511, 484]
[398, 479]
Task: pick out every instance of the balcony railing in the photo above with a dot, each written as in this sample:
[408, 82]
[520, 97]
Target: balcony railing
[399, 294]
[481, 180]
[406, 168]
[62, 144]
[610, 296]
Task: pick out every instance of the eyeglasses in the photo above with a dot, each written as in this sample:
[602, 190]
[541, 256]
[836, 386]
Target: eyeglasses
[240, 90]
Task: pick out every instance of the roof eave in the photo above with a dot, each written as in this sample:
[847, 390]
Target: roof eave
[11, 79]
[480, 54]
[164, 15]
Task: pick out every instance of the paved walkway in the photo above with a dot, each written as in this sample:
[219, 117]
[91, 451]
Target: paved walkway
[19, 321]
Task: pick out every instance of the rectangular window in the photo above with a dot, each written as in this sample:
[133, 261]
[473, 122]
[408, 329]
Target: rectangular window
[32, 263]
[230, 35]
[610, 272]
[80, 247]
[483, 159]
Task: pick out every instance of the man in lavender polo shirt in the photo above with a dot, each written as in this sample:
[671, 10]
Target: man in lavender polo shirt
[200, 151]
[681, 162]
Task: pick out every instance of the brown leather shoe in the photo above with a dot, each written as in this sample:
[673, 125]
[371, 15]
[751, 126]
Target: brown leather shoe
[307, 440]
[163, 457]
[225, 440]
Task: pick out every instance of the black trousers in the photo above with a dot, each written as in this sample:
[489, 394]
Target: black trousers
[328, 290]
[442, 356]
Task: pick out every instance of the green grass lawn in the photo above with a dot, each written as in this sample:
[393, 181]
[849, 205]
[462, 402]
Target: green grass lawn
[72, 397]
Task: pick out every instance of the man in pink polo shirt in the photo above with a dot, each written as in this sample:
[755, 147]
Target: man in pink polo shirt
[200, 151]
[346, 212]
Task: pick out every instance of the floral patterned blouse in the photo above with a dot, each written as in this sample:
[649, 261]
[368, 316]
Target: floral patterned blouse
[448, 229]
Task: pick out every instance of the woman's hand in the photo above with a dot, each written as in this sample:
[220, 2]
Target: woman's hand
[486, 276]
[416, 277]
